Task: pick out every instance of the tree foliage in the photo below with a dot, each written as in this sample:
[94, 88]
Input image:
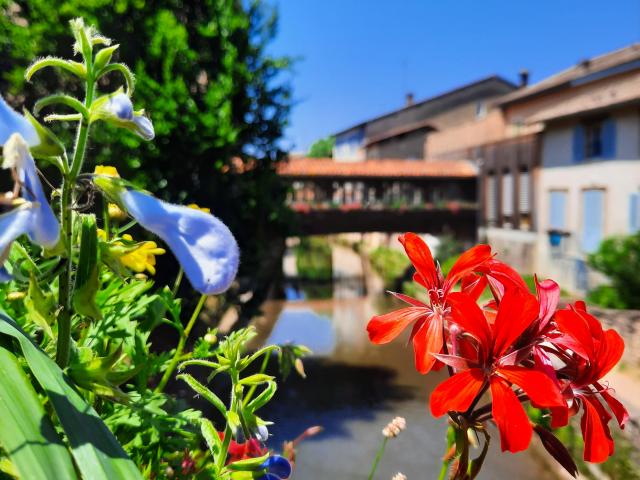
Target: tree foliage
[322, 148]
[217, 99]
[619, 259]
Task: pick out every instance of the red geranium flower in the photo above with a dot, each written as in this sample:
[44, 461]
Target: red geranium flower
[596, 352]
[491, 365]
[427, 334]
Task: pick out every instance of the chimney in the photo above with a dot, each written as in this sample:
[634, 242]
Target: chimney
[408, 99]
[524, 77]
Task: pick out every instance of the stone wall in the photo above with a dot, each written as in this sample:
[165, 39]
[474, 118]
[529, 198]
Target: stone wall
[627, 323]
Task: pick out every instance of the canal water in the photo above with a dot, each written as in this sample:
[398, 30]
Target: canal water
[353, 388]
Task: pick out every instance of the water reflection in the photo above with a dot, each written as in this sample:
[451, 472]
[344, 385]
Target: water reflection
[354, 388]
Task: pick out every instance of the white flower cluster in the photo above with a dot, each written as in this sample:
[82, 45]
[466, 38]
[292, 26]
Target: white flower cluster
[394, 427]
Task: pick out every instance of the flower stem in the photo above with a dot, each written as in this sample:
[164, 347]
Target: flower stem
[68, 182]
[263, 368]
[226, 441]
[184, 336]
[376, 460]
[176, 285]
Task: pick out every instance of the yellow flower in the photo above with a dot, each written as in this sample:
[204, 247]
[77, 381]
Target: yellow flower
[115, 213]
[107, 170]
[143, 257]
[196, 207]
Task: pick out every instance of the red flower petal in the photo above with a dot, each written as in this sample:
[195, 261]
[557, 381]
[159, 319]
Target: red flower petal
[597, 438]
[408, 299]
[426, 341]
[575, 326]
[548, 297]
[511, 419]
[384, 328]
[517, 310]
[501, 277]
[622, 416]
[608, 355]
[466, 313]
[466, 263]
[542, 391]
[473, 285]
[559, 417]
[421, 258]
[456, 393]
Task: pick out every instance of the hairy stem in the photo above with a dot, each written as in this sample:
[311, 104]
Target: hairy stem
[68, 182]
[184, 336]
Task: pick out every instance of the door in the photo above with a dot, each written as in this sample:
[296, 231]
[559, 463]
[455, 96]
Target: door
[592, 219]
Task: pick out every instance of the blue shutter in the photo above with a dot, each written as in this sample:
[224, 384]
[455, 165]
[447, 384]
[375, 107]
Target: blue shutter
[578, 143]
[609, 138]
[592, 219]
[634, 212]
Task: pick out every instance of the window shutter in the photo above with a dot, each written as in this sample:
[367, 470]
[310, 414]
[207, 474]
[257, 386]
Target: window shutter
[507, 194]
[524, 192]
[492, 193]
[578, 143]
[634, 212]
[609, 138]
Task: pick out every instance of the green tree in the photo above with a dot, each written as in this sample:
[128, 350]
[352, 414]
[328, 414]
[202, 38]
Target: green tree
[218, 101]
[322, 148]
[619, 259]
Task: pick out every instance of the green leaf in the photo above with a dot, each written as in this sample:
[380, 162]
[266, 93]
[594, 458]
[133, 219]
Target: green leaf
[256, 379]
[67, 100]
[50, 145]
[87, 281]
[96, 451]
[249, 463]
[211, 436]
[103, 57]
[75, 68]
[41, 307]
[26, 433]
[124, 70]
[263, 398]
[205, 392]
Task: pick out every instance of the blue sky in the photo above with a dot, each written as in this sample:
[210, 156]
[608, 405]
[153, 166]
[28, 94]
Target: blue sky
[358, 58]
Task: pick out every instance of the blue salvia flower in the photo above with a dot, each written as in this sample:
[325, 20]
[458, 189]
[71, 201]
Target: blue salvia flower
[12, 122]
[203, 245]
[118, 109]
[44, 228]
[34, 216]
[278, 468]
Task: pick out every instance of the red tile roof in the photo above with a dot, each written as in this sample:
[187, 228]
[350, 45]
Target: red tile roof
[389, 168]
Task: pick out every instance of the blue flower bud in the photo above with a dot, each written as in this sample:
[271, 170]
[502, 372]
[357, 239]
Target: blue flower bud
[261, 433]
[12, 122]
[278, 466]
[120, 105]
[144, 127]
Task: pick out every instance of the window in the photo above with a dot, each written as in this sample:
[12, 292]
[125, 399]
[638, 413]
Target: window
[524, 199]
[557, 210]
[507, 195]
[634, 212]
[594, 139]
[491, 198]
[481, 110]
[592, 219]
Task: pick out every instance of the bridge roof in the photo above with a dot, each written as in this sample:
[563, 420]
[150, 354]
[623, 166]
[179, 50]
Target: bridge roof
[386, 168]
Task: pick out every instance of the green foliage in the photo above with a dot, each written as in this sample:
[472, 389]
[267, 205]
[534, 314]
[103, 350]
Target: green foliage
[322, 148]
[391, 264]
[219, 101]
[313, 259]
[619, 259]
[448, 248]
[99, 411]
